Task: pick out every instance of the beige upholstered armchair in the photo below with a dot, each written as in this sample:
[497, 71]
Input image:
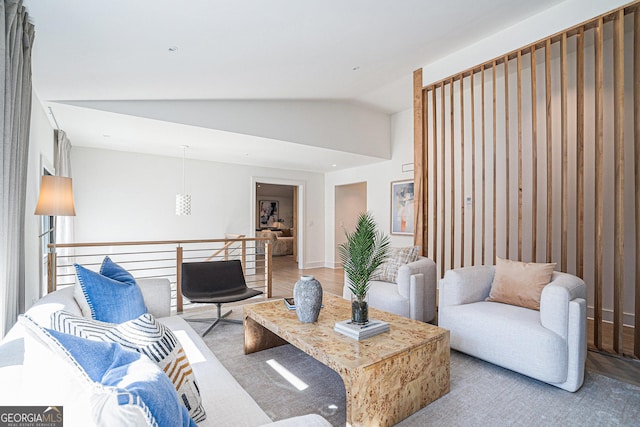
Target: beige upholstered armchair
[412, 295]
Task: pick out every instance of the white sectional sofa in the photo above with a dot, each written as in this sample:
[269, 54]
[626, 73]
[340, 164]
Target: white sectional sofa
[549, 345]
[225, 401]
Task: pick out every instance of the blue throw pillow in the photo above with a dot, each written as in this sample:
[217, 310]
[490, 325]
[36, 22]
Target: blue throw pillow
[118, 373]
[109, 296]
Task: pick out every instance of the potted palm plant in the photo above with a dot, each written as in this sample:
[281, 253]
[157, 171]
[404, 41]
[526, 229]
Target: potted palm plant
[363, 252]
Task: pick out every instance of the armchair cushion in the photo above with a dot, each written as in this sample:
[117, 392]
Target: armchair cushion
[388, 270]
[520, 283]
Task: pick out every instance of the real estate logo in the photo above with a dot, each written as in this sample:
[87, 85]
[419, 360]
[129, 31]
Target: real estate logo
[31, 416]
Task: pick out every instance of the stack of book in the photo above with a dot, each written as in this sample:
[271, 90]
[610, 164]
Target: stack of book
[360, 332]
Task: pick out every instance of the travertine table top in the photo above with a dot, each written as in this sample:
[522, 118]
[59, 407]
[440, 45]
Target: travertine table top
[334, 349]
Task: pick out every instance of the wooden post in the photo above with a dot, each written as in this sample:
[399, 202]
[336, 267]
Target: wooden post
[599, 190]
[507, 161]
[243, 255]
[618, 140]
[564, 213]
[580, 153]
[418, 156]
[462, 177]
[534, 158]
[549, 159]
[636, 139]
[519, 104]
[267, 267]
[179, 279]
[51, 271]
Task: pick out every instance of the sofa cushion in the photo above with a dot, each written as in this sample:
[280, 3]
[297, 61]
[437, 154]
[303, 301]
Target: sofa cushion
[147, 336]
[124, 387]
[101, 295]
[520, 283]
[508, 336]
[388, 270]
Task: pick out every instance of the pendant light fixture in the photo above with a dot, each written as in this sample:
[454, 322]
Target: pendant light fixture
[183, 200]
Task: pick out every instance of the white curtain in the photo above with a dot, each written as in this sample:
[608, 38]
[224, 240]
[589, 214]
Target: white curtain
[62, 165]
[16, 39]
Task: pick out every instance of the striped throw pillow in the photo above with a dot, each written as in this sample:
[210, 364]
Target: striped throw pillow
[147, 336]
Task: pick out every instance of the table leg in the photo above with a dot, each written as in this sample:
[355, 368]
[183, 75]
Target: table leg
[257, 337]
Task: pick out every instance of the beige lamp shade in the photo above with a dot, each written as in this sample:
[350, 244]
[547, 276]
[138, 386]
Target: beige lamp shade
[56, 197]
[278, 224]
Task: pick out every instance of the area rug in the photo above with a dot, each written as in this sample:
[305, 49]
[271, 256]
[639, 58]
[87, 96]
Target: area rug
[481, 394]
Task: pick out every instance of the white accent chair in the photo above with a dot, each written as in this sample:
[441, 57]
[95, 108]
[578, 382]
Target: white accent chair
[413, 295]
[549, 345]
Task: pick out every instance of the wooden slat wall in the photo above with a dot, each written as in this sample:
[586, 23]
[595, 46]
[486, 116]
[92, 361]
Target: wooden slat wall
[572, 65]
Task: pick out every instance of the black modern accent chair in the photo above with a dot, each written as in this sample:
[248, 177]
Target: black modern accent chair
[215, 282]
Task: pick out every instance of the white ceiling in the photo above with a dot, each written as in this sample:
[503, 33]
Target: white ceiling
[360, 51]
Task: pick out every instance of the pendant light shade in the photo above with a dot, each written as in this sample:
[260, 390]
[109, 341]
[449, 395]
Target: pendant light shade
[183, 201]
[183, 204]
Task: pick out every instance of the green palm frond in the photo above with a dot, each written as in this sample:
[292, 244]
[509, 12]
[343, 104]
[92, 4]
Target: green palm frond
[362, 253]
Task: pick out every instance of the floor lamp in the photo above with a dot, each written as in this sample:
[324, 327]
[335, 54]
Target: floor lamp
[55, 199]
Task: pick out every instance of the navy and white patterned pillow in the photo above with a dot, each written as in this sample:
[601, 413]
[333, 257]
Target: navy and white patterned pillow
[147, 336]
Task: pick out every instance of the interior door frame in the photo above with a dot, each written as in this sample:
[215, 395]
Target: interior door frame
[299, 214]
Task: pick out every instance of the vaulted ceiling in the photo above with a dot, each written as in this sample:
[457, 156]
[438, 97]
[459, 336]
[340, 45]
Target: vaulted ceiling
[358, 53]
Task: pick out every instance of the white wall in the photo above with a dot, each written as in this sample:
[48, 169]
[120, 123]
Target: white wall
[40, 148]
[550, 21]
[123, 196]
[378, 177]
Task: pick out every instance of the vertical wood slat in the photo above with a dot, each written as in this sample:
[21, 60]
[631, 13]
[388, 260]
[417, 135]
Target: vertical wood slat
[519, 105]
[473, 173]
[442, 179]
[179, 259]
[549, 141]
[419, 171]
[425, 175]
[435, 174]
[483, 258]
[580, 153]
[599, 175]
[618, 137]
[462, 177]
[534, 158]
[636, 140]
[507, 149]
[564, 154]
[495, 143]
[452, 177]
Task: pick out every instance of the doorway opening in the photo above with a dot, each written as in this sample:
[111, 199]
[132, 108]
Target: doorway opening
[276, 217]
[350, 202]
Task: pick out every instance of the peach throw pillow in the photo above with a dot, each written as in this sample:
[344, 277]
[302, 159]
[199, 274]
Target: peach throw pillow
[520, 283]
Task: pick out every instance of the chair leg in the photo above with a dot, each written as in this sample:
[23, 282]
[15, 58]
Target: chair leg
[221, 318]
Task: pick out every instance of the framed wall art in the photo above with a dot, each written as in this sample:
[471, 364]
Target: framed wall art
[267, 213]
[402, 207]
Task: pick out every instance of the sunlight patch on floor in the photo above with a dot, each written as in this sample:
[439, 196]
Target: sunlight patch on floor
[287, 375]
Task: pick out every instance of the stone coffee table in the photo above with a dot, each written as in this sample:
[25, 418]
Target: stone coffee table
[387, 377]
